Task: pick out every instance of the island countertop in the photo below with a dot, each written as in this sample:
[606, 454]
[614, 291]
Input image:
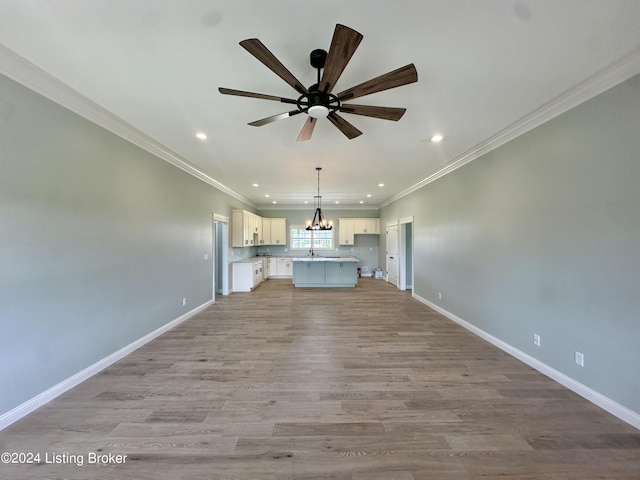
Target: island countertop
[328, 258]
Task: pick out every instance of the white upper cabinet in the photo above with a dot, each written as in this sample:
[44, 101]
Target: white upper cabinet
[345, 231]
[278, 231]
[349, 227]
[246, 229]
[251, 230]
[265, 238]
[367, 226]
[274, 231]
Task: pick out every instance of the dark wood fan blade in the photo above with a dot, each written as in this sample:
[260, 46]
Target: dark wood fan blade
[256, 48]
[396, 78]
[307, 129]
[343, 46]
[385, 113]
[241, 93]
[274, 118]
[345, 127]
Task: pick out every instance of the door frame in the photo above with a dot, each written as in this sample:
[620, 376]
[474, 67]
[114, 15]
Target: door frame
[388, 225]
[402, 252]
[224, 260]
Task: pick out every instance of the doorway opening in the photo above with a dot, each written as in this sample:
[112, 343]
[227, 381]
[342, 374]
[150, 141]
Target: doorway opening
[220, 255]
[405, 254]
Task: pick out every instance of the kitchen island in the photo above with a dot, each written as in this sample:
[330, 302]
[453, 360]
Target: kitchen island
[326, 271]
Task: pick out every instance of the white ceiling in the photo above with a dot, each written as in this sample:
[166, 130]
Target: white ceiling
[487, 71]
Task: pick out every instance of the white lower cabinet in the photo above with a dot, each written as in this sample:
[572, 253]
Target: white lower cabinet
[284, 267]
[258, 275]
[266, 267]
[273, 267]
[247, 275]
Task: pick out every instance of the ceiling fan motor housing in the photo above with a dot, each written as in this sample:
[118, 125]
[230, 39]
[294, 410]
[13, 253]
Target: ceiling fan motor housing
[318, 58]
[318, 105]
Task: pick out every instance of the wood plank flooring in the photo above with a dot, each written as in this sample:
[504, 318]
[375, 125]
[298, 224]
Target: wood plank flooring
[347, 384]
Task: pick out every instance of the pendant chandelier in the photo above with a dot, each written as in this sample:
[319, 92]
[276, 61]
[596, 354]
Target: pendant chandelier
[318, 222]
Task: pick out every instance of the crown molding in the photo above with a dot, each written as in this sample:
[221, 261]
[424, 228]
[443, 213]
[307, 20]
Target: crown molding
[310, 207]
[33, 77]
[600, 82]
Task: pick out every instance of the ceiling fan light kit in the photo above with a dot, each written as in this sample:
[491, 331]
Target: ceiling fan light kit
[317, 101]
[318, 111]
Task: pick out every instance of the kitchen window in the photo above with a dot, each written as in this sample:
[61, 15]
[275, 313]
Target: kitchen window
[302, 239]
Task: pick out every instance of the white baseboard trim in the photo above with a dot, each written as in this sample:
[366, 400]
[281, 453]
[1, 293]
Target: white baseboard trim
[620, 411]
[36, 402]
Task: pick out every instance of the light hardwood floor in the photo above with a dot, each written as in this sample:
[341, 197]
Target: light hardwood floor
[350, 384]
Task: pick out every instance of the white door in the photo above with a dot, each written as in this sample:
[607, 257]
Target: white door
[392, 254]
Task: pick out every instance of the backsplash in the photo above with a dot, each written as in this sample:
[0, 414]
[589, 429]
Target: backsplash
[241, 253]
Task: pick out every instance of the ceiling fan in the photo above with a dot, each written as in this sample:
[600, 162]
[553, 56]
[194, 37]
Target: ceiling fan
[317, 101]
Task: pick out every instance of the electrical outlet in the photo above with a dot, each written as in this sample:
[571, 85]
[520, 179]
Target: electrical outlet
[536, 339]
[579, 359]
[184, 302]
[439, 295]
[206, 256]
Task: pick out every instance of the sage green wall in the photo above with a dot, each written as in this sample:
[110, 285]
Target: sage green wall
[99, 243]
[543, 235]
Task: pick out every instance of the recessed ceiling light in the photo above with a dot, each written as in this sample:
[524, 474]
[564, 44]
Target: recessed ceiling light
[368, 195]
[436, 138]
[256, 185]
[306, 201]
[274, 202]
[337, 201]
[361, 201]
[201, 135]
[381, 184]
[267, 195]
